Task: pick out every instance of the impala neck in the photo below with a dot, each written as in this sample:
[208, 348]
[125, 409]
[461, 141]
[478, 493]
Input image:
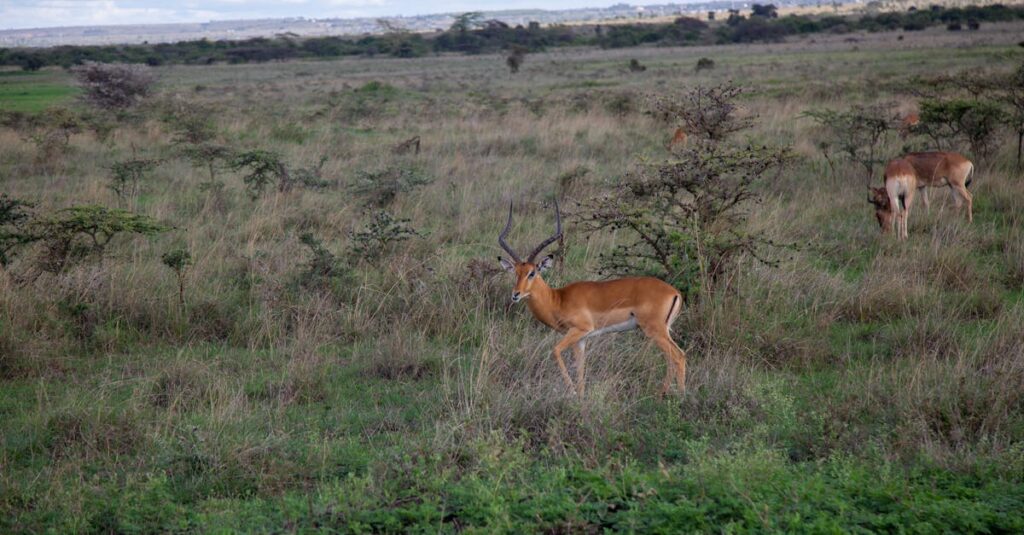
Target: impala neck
[544, 302]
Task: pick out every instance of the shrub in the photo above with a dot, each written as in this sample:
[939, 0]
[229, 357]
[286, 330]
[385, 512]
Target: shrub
[381, 188]
[856, 133]
[127, 176]
[705, 64]
[685, 218]
[973, 121]
[114, 87]
[324, 268]
[178, 261]
[79, 232]
[635, 66]
[261, 168]
[379, 236]
[515, 59]
[708, 112]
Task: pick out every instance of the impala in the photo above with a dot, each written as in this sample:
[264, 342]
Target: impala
[908, 124]
[918, 170]
[583, 310]
[679, 139]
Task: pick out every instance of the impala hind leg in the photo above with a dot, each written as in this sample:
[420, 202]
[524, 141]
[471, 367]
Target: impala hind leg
[579, 355]
[961, 196]
[571, 338]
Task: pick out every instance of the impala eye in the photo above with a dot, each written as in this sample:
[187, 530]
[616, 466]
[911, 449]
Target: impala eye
[531, 274]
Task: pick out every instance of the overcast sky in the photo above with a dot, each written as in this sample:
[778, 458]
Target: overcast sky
[46, 13]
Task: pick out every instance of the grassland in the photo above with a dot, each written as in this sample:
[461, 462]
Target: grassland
[33, 92]
[862, 385]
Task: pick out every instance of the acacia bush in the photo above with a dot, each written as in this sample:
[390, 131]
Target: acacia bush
[381, 187]
[685, 218]
[858, 134]
[114, 87]
[379, 236]
[705, 112]
[14, 216]
[951, 122]
[127, 176]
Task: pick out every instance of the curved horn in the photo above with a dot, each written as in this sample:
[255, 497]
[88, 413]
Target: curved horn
[549, 241]
[501, 237]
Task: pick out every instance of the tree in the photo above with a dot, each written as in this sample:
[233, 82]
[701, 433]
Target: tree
[515, 59]
[261, 169]
[1012, 94]
[975, 121]
[768, 11]
[466, 21]
[178, 261]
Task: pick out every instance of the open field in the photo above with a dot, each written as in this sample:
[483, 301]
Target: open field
[863, 384]
[33, 92]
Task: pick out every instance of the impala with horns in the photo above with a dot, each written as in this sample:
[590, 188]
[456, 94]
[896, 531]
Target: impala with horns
[583, 310]
[916, 171]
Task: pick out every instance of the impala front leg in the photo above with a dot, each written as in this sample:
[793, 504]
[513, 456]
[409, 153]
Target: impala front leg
[571, 338]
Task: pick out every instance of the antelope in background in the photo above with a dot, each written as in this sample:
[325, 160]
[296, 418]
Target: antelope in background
[583, 310]
[919, 170]
[679, 139]
[908, 124]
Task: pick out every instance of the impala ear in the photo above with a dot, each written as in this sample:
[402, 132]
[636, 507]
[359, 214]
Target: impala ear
[546, 263]
[507, 265]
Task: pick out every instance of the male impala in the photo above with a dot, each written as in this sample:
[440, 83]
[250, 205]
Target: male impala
[582, 310]
[918, 170]
[679, 139]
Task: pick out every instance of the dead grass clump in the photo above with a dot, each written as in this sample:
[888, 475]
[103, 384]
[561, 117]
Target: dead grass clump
[184, 386]
[402, 357]
[211, 320]
[93, 434]
[887, 292]
[720, 387]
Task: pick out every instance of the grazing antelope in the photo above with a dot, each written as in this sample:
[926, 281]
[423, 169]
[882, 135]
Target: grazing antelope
[917, 170]
[583, 310]
[678, 139]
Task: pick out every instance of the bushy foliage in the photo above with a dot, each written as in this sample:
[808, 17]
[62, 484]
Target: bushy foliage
[81, 232]
[114, 87]
[857, 134]
[379, 236]
[705, 112]
[380, 188]
[178, 260]
[127, 176]
[261, 169]
[685, 218]
[947, 121]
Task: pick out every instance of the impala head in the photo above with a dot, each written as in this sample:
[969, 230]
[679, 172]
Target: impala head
[527, 271]
[883, 212]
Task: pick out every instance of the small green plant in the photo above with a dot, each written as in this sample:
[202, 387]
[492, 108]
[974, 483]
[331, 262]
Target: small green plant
[324, 268]
[81, 232]
[312, 177]
[380, 188]
[379, 235]
[261, 169]
[178, 260]
[127, 176]
[210, 156]
[636, 66]
[705, 64]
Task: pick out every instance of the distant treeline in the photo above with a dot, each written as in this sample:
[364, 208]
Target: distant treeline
[463, 37]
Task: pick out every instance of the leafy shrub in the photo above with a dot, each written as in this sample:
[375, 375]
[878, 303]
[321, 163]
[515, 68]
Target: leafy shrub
[705, 64]
[636, 66]
[114, 87]
[856, 133]
[973, 121]
[178, 261]
[685, 218]
[708, 112]
[127, 177]
[261, 169]
[324, 269]
[379, 236]
[381, 188]
[79, 232]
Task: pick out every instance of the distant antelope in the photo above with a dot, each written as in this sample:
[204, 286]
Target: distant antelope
[411, 144]
[914, 171]
[583, 310]
[908, 124]
[678, 139]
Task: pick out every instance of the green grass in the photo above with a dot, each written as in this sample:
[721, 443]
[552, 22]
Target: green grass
[33, 92]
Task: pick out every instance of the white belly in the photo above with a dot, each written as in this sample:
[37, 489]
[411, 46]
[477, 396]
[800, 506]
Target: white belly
[628, 325]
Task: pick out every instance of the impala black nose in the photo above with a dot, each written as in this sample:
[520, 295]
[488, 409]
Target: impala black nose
[515, 297]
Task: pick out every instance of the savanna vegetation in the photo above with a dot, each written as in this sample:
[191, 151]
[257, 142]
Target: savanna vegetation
[471, 34]
[265, 297]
